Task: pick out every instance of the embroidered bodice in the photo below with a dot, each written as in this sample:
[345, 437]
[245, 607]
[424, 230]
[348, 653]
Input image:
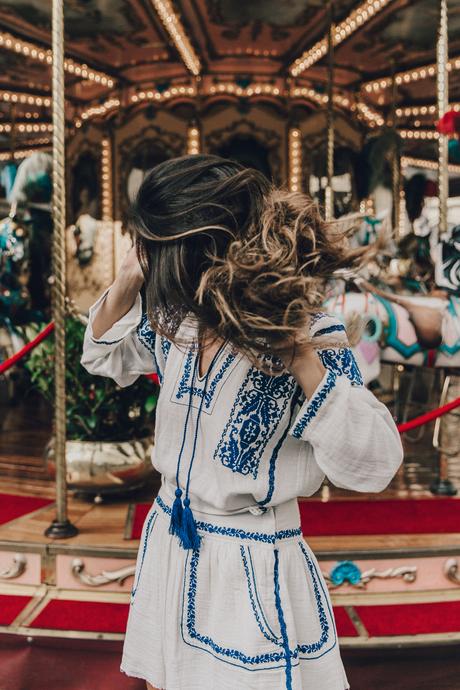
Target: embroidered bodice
[259, 441]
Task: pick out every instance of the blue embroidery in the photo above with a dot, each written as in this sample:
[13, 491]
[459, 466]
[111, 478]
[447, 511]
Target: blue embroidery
[343, 363]
[330, 329]
[205, 639]
[165, 348]
[238, 533]
[314, 404]
[148, 531]
[276, 450]
[184, 383]
[256, 413]
[323, 620]
[287, 655]
[106, 342]
[282, 623]
[147, 337]
[264, 627]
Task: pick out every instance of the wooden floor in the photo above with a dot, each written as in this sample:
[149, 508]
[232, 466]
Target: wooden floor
[25, 663]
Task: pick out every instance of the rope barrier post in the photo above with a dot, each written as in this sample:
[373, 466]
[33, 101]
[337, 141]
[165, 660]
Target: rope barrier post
[442, 485]
[61, 527]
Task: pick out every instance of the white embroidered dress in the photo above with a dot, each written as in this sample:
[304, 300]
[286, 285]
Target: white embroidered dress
[249, 609]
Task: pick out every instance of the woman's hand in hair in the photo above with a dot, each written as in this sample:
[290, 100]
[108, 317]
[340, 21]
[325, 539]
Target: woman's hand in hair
[121, 296]
[306, 367]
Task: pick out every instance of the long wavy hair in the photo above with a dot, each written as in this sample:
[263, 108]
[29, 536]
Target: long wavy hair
[216, 241]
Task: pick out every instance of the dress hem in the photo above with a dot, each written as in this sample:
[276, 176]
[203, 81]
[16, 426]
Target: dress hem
[143, 676]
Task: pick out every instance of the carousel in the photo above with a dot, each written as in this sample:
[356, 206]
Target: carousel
[355, 103]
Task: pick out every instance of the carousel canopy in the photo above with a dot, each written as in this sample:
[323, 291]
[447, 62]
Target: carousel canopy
[192, 55]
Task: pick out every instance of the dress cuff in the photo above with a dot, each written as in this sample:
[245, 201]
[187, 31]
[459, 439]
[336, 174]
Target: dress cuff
[120, 328]
[313, 405]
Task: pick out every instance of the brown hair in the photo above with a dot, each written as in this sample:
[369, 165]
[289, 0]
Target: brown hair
[250, 262]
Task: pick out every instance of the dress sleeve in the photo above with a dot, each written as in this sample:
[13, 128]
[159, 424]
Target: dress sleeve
[354, 438]
[125, 351]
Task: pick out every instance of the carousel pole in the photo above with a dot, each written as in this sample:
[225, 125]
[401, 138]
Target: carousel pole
[329, 196]
[442, 485]
[443, 104]
[395, 162]
[61, 527]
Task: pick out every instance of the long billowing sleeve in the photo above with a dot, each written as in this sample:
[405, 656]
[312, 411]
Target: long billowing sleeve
[354, 438]
[125, 351]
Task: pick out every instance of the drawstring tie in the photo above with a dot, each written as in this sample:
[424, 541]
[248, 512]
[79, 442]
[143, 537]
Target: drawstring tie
[183, 523]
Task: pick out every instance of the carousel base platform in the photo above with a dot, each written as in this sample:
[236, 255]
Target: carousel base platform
[390, 587]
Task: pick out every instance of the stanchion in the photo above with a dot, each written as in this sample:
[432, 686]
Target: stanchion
[61, 527]
[329, 196]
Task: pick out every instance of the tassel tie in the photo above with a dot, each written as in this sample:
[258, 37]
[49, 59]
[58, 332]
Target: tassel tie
[183, 523]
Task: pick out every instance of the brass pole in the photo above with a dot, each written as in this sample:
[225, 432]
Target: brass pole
[395, 162]
[329, 197]
[443, 104]
[61, 527]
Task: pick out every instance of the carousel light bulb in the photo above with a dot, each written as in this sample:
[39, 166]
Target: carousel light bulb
[295, 159]
[106, 174]
[175, 29]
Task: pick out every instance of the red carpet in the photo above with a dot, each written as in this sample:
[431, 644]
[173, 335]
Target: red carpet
[13, 506]
[11, 606]
[343, 622]
[410, 619]
[95, 616]
[410, 516]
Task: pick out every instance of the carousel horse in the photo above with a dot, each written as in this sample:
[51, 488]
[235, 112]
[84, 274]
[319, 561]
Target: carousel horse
[409, 330]
[92, 248]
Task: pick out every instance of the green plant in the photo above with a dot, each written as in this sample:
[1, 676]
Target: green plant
[97, 408]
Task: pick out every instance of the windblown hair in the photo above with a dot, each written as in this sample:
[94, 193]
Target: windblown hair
[216, 241]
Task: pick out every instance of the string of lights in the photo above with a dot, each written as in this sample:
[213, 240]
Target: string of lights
[409, 76]
[30, 50]
[342, 31]
[175, 29]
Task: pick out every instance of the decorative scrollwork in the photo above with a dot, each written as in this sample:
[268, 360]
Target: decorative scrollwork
[348, 572]
[17, 568]
[104, 577]
[452, 570]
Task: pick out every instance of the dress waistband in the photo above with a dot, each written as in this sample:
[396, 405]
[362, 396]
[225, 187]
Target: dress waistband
[275, 524]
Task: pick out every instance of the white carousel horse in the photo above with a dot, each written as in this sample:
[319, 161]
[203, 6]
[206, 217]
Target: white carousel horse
[412, 330]
[93, 249]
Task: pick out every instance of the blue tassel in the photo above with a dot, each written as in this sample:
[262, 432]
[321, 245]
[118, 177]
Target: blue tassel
[188, 533]
[175, 525]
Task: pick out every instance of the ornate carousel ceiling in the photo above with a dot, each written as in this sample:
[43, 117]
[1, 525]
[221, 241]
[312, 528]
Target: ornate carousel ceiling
[191, 53]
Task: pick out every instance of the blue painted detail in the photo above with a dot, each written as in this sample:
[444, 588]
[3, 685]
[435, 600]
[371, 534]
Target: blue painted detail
[378, 328]
[392, 339]
[342, 362]
[314, 404]
[259, 406]
[282, 622]
[264, 627]
[185, 384]
[148, 531]
[330, 329]
[345, 571]
[238, 533]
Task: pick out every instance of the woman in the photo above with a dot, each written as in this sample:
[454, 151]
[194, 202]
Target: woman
[260, 399]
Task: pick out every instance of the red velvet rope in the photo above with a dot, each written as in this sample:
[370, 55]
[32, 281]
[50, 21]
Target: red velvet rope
[406, 426]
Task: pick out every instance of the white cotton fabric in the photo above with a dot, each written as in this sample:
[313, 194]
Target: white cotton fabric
[211, 619]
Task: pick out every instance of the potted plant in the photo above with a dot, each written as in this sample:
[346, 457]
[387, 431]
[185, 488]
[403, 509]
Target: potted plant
[109, 428]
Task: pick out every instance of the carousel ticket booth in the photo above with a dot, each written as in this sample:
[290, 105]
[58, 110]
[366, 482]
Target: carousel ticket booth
[354, 103]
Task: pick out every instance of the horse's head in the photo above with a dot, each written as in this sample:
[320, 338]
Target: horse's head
[84, 231]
